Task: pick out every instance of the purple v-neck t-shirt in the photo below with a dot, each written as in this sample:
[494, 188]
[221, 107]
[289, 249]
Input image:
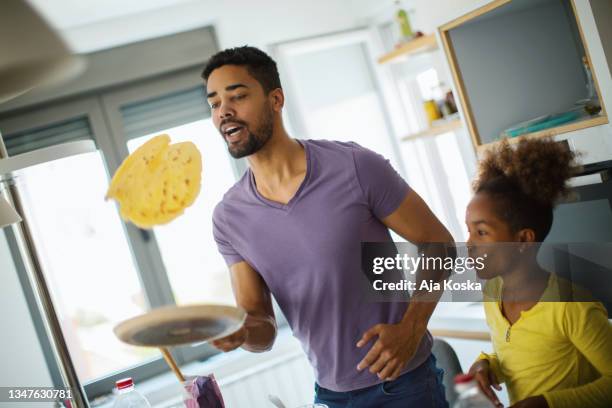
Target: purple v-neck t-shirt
[309, 253]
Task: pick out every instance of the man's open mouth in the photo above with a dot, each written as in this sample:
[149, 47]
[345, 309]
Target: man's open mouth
[230, 130]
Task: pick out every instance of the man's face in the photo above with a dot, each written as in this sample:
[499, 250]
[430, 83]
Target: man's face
[241, 110]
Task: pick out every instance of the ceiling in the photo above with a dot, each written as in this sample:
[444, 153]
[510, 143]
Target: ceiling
[65, 14]
[93, 25]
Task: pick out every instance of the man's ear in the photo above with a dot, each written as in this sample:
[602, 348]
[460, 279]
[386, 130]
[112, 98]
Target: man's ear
[526, 235]
[277, 98]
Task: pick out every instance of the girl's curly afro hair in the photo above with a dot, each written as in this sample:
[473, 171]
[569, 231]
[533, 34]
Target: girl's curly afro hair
[526, 182]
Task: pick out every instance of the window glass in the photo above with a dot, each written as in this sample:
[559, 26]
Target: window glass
[86, 259]
[196, 270]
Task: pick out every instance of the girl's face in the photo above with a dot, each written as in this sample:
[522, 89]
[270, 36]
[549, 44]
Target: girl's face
[484, 226]
[490, 237]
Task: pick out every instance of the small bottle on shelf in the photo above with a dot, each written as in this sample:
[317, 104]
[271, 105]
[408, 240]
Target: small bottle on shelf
[443, 97]
[432, 112]
[590, 84]
[591, 103]
[450, 100]
[403, 21]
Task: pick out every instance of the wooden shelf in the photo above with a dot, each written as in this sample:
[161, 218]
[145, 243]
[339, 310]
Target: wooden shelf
[420, 44]
[568, 127]
[436, 129]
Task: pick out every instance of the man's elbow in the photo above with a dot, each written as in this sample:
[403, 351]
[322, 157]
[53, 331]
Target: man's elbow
[441, 235]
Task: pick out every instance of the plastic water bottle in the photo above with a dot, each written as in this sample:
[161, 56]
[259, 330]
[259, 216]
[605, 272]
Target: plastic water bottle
[470, 395]
[128, 397]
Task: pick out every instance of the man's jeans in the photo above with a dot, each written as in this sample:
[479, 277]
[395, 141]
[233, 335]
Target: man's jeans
[419, 388]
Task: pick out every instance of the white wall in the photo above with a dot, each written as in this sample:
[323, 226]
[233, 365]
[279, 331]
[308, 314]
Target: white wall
[237, 22]
[603, 17]
[595, 142]
[23, 362]
[425, 15]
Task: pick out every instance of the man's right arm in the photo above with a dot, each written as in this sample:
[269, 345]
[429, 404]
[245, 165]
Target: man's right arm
[253, 295]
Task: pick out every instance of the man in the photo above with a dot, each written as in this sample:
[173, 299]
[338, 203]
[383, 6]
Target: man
[292, 226]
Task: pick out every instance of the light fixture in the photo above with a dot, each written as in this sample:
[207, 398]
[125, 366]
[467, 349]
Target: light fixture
[34, 55]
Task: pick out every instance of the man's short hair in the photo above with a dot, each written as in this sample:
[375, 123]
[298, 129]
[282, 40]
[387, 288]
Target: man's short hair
[259, 65]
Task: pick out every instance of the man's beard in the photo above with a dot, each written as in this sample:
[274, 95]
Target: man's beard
[255, 140]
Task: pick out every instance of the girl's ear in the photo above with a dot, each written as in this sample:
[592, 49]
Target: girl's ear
[526, 235]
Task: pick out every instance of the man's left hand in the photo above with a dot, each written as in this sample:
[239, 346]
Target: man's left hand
[395, 346]
[532, 402]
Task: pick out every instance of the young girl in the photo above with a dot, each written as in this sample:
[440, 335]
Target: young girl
[549, 354]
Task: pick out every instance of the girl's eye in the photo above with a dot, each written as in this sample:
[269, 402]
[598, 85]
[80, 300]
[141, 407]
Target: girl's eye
[481, 232]
[242, 96]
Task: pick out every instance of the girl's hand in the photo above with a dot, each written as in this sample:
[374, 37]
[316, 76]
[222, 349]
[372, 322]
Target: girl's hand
[486, 379]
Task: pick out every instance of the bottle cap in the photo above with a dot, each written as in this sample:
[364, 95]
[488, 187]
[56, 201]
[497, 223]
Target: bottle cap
[463, 378]
[124, 383]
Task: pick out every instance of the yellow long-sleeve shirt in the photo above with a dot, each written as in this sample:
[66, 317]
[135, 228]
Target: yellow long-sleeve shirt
[561, 350]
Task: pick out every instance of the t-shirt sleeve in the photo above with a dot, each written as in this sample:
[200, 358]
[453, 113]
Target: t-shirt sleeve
[383, 187]
[588, 327]
[220, 234]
